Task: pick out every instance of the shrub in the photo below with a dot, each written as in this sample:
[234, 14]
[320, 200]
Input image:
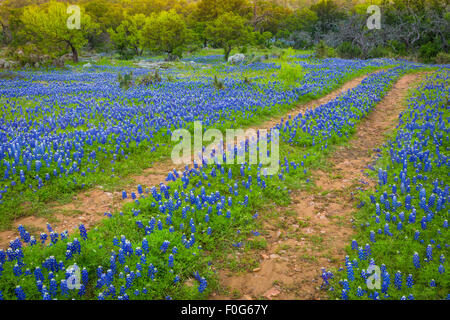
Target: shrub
[287, 54]
[290, 74]
[125, 81]
[397, 47]
[429, 51]
[379, 52]
[148, 79]
[348, 50]
[218, 84]
[322, 51]
[442, 58]
[301, 40]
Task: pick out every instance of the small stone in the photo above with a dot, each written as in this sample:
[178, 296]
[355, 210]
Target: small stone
[256, 269]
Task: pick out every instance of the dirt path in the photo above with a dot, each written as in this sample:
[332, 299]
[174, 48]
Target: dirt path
[89, 207]
[313, 231]
[314, 103]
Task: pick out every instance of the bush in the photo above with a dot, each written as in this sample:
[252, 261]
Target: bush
[290, 74]
[301, 40]
[287, 54]
[379, 52]
[262, 40]
[125, 53]
[348, 50]
[429, 51]
[397, 47]
[322, 51]
[218, 84]
[442, 58]
[148, 79]
[125, 81]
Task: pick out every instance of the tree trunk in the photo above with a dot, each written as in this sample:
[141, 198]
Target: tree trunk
[74, 53]
[227, 53]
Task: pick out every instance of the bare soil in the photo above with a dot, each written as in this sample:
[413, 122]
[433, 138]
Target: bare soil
[317, 226]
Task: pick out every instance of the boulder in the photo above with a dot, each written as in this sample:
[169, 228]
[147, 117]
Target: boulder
[58, 62]
[236, 59]
[87, 65]
[67, 57]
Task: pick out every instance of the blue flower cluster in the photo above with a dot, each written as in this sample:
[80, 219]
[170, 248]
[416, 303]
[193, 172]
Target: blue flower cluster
[71, 125]
[163, 235]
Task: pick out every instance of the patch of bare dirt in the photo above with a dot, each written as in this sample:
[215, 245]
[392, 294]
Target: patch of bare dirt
[314, 230]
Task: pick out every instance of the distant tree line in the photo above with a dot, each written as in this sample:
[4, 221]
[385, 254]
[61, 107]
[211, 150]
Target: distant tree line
[131, 27]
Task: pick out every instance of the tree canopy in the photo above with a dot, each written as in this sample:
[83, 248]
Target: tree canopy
[47, 26]
[172, 26]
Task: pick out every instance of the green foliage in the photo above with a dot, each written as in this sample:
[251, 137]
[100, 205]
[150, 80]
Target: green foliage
[263, 39]
[322, 51]
[348, 51]
[290, 73]
[379, 52]
[148, 79]
[218, 84]
[168, 32]
[429, 51]
[129, 35]
[227, 31]
[46, 26]
[442, 58]
[397, 47]
[125, 81]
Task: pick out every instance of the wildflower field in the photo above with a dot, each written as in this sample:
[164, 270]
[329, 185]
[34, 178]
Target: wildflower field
[68, 131]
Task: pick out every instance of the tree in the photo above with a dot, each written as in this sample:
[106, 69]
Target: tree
[328, 16]
[106, 14]
[130, 34]
[227, 31]
[47, 25]
[209, 10]
[167, 32]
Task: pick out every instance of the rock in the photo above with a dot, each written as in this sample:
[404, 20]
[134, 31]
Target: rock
[237, 58]
[58, 62]
[256, 269]
[274, 256]
[271, 293]
[87, 65]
